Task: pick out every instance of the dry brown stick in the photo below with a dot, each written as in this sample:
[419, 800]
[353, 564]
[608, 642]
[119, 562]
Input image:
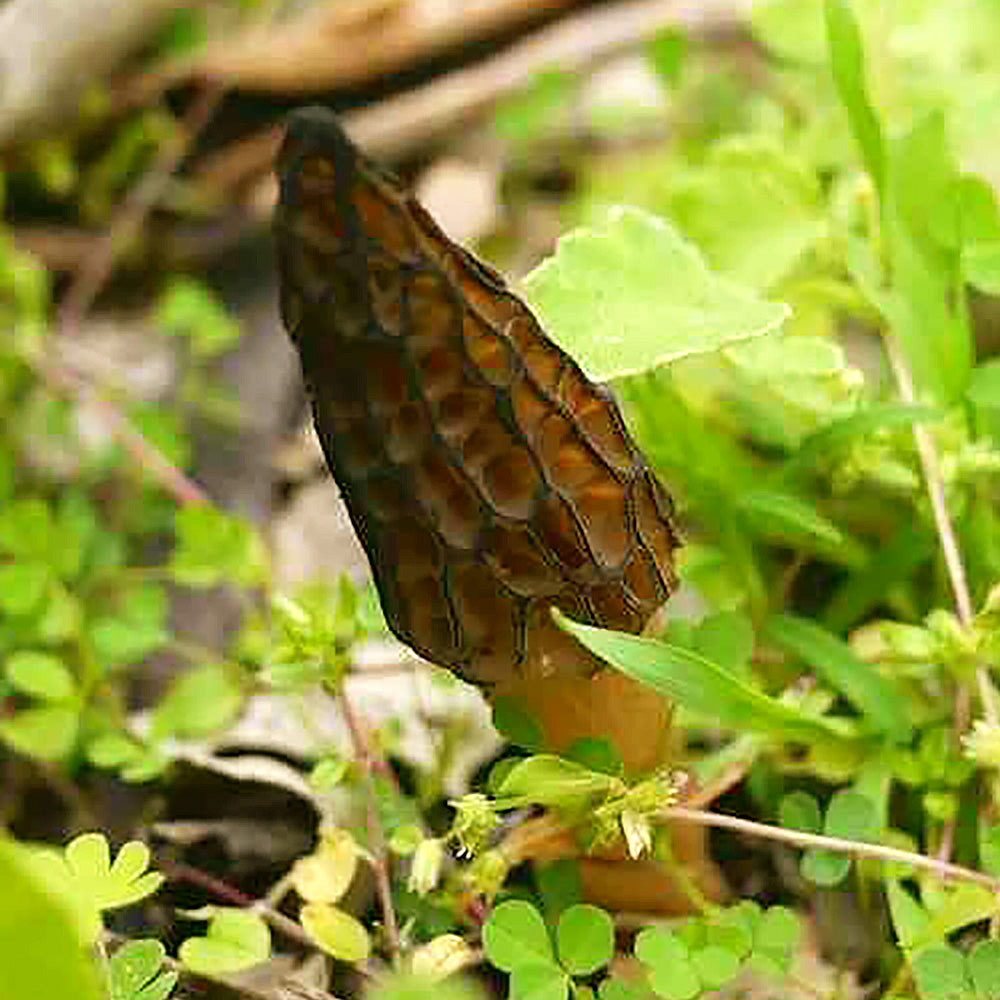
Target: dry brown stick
[143, 452]
[331, 46]
[94, 273]
[396, 126]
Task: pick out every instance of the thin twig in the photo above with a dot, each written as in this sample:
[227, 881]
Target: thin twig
[178, 871]
[142, 451]
[379, 852]
[943, 869]
[946, 533]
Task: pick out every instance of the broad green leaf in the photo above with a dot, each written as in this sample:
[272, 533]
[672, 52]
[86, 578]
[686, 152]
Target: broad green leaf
[326, 874]
[235, 940]
[47, 732]
[215, 547]
[672, 974]
[725, 638]
[515, 935]
[585, 938]
[961, 904]
[542, 981]
[630, 294]
[715, 966]
[618, 988]
[909, 919]
[940, 974]
[596, 754]
[981, 266]
[791, 28]
[40, 950]
[982, 966]
[43, 675]
[751, 208]
[419, 986]
[850, 816]
[336, 932]
[25, 528]
[201, 701]
[698, 684]
[22, 586]
[516, 725]
[135, 973]
[847, 63]
[800, 811]
[552, 781]
[871, 693]
[559, 886]
[984, 384]
[106, 885]
[776, 936]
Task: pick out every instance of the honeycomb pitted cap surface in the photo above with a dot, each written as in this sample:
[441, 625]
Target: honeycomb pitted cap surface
[487, 477]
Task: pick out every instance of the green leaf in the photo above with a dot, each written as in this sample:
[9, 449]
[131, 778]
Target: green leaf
[981, 266]
[751, 208]
[516, 725]
[336, 932]
[617, 988]
[201, 701]
[102, 884]
[603, 298]
[782, 516]
[596, 754]
[40, 950]
[984, 384]
[25, 527]
[672, 974]
[940, 974]
[235, 940]
[585, 938]
[40, 674]
[960, 905]
[47, 732]
[22, 586]
[188, 308]
[715, 966]
[552, 781]
[872, 694]
[134, 972]
[515, 935]
[521, 119]
[982, 966]
[542, 981]
[909, 919]
[847, 63]
[850, 816]
[326, 874]
[214, 547]
[926, 307]
[559, 886]
[725, 638]
[800, 811]
[666, 52]
[697, 683]
[117, 641]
